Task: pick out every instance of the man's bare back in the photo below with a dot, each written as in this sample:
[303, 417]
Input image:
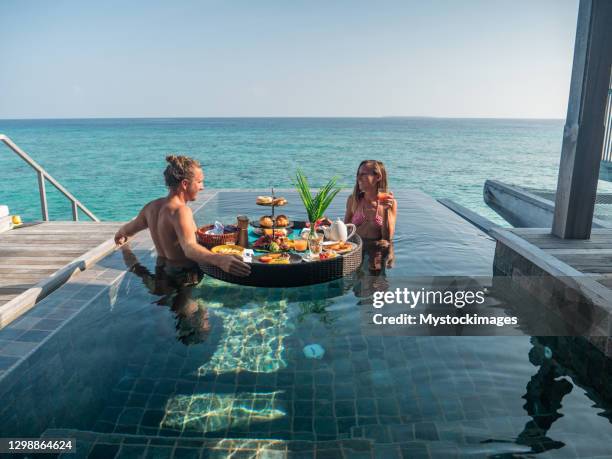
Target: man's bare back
[171, 224]
[159, 214]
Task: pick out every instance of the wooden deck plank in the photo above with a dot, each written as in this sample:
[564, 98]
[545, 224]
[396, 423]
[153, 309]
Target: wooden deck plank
[39, 253]
[12, 261]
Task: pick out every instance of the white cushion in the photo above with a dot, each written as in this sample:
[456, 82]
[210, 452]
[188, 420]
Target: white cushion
[4, 211]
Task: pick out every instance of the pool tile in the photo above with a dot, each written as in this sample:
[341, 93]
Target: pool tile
[103, 451]
[17, 348]
[130, 452]
[6, 362]
[33, 335]
[25, 322]
[10, 334]
[158, 452]
[48, 324]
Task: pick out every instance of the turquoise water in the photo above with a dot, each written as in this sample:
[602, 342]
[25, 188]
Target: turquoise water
[114, 165]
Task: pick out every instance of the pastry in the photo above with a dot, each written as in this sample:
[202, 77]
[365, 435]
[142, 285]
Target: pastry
[266, 221]
[264, 200]
[282, 220]
[277, 232]
[280, 202]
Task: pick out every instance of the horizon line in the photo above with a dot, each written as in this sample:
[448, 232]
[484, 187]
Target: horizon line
[278, 117]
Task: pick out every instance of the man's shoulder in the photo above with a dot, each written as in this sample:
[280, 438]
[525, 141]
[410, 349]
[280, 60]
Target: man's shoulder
[155, 203]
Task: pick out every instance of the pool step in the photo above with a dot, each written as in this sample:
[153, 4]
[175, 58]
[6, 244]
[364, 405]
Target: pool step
[109, 446]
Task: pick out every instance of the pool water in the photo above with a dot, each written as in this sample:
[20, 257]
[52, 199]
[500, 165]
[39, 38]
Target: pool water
[220, 370]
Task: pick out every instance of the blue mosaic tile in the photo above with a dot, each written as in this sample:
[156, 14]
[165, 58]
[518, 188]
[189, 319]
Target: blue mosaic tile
[10, 334]
[17, 348]
[33, 335]
[7, 362]
[103, 451]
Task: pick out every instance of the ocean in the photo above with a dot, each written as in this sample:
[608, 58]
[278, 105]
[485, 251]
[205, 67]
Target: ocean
[113, 166]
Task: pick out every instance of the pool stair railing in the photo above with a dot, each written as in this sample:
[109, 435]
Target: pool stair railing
[43, 176]
[37, 258]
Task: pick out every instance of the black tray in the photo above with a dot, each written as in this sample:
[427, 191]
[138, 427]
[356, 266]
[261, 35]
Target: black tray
[294, 274]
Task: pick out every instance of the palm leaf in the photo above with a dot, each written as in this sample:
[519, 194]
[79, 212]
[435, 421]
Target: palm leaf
[317, 205]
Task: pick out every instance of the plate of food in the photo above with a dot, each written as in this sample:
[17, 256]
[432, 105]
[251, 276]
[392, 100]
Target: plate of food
[228, 249]
[278, 232]
[267, 243]
[339, 247]
[270, 201]
[277, 259]
[327, 255]
[281, 221]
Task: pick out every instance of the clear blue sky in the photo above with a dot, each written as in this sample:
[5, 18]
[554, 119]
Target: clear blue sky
[464, 58]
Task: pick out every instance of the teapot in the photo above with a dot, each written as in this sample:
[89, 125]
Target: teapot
[338, 231]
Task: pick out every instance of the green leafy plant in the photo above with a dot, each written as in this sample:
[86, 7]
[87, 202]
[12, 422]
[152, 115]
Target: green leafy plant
[318, 204]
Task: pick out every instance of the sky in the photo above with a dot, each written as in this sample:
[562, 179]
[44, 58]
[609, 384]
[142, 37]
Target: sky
[194, 58]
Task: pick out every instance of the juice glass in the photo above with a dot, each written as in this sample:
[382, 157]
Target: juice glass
[382, 195]
[300, 245]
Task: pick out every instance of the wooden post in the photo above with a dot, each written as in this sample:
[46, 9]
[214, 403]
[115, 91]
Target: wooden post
[584, 127]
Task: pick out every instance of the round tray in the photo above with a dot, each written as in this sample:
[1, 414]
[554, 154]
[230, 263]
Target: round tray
[294, 274]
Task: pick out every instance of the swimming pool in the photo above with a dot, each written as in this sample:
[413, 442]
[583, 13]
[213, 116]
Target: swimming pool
[132, 371]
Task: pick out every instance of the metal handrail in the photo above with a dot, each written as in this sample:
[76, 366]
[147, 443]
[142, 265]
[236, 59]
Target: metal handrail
[606, 153]
[42, 176]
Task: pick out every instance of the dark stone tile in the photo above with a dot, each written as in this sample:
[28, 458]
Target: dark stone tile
[110, 414]
[325, 426]
[186, 453]
[48, 324]
[104, 427]
[6, 362]
[10, 334]
[158, 452]
[137, 400]
[426, 431]
[152, 418]
[323, 408]
[414, 450]
[103, 451]
[131, 452]
[33, 335]
[17, 348]
[345, 408]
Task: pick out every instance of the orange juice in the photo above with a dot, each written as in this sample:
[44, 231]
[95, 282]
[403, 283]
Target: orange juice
[300, 245]
[381, 196]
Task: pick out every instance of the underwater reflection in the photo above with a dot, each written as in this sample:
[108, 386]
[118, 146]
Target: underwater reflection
[371, 276]
[175, 290]
[252, 340]
[211, 412]
[543, 399]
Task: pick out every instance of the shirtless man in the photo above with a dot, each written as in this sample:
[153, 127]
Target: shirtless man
[171, 222]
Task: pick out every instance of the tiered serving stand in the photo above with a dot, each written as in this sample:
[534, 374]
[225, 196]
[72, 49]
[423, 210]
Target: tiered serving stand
[296, 274]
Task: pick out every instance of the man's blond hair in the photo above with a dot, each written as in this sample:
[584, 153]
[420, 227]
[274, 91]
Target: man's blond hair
[179, 168]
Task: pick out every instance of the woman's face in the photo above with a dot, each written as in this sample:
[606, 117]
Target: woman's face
[367, 178]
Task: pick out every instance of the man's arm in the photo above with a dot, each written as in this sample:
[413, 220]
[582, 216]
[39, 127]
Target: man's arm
[185, 229]
[132, 227]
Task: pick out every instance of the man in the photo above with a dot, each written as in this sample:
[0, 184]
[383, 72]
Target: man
[172, 226]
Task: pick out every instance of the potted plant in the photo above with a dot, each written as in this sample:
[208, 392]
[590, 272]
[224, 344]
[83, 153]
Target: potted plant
[315, 206]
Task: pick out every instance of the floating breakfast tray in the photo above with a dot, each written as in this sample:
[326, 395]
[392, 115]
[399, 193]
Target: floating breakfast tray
[295, 274]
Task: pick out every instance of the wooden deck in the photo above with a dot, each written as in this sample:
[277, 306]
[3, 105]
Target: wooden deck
[566, 274]
[592, 257]
[38, 257]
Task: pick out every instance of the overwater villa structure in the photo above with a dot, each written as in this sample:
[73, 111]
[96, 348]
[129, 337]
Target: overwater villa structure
[99, 354]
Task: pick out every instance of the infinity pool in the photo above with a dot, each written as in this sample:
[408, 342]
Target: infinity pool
[130, 369]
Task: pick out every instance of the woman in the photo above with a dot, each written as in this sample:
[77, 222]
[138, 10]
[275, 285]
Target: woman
[373, 217]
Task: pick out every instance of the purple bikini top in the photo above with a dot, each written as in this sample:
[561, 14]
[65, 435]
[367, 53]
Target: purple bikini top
[359, 216]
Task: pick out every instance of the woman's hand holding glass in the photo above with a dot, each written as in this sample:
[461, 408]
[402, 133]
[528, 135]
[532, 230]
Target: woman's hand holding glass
[385, 199]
